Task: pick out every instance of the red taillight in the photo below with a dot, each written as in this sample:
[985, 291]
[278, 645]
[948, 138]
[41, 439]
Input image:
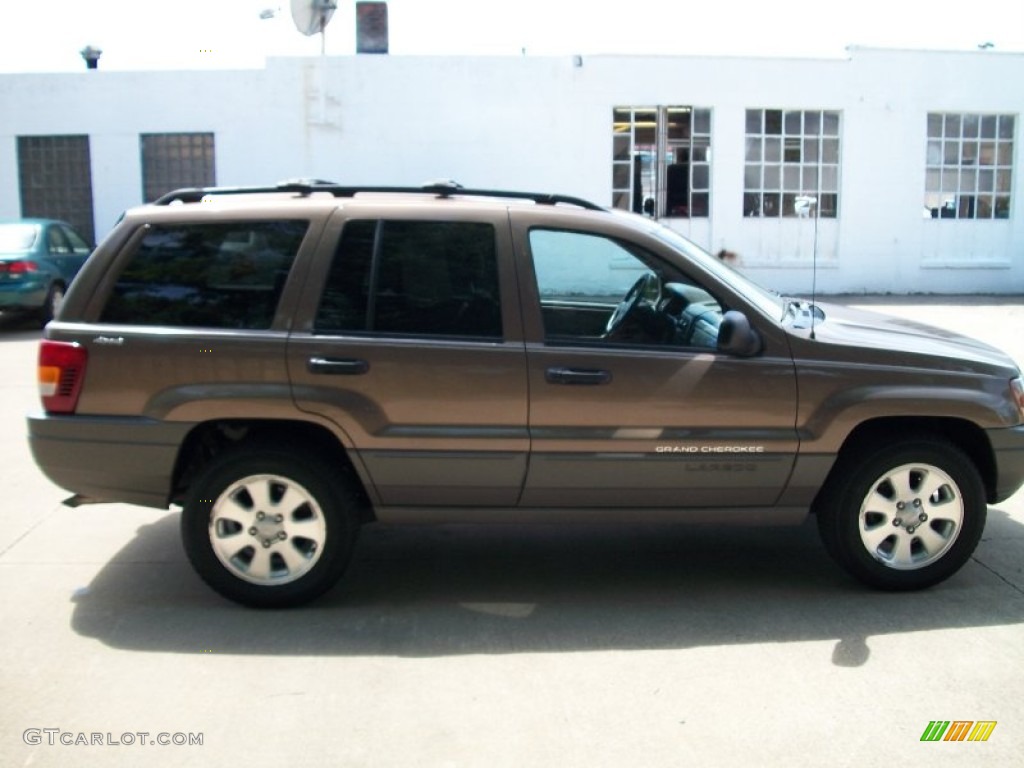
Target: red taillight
[61, 371]
[20, 267]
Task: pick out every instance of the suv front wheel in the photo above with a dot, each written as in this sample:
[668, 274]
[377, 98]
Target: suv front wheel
[269, 529]
[907, 517]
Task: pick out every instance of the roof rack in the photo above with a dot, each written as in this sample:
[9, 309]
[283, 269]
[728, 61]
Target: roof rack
[306, 187]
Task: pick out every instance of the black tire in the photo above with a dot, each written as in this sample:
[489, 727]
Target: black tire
[51, 305]
[269, 528]
[906, 517]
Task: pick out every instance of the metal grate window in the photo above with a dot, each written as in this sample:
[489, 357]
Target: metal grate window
[791, 154]
[55, 180]
[174, 160]
[969, 166]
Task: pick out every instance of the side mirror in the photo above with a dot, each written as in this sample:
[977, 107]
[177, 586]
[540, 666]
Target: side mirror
[737, 337]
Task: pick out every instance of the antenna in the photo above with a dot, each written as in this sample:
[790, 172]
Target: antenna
[807, 206]
[311, 17]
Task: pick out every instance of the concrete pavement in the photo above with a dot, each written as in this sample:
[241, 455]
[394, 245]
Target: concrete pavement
[534, 646]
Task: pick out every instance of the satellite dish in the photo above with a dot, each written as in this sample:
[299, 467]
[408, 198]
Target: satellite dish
[311, 16]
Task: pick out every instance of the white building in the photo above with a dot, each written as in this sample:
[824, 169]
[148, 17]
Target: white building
[911, 159]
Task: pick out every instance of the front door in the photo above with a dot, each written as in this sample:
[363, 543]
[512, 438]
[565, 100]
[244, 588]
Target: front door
[631, 404]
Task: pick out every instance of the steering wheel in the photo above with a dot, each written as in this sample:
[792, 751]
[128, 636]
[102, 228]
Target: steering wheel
[629, 304]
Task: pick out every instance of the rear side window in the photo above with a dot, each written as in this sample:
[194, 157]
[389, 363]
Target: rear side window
[419, 278]
[215, 275]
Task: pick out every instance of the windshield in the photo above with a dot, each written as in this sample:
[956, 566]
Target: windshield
[17, 238]
[769, 303]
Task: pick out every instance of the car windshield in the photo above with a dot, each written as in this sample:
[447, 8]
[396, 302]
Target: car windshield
[768, 302]
[17, 238]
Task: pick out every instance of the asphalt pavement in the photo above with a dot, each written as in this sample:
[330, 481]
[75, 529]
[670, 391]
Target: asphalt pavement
[533, 646]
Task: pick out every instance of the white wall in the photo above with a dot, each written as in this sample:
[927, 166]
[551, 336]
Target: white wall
[544, 124]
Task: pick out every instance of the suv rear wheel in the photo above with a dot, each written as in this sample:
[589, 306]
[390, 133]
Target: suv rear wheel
[906, 518]
[269, 529]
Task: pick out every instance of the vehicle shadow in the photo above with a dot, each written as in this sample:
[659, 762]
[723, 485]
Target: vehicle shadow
[19, 328]
[453, 590]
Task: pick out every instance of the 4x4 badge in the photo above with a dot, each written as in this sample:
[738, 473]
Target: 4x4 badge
[109, 340]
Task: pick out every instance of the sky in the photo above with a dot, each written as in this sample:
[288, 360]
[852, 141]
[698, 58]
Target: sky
[217, 34]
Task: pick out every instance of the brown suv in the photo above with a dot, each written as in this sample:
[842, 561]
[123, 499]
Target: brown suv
[291, 362]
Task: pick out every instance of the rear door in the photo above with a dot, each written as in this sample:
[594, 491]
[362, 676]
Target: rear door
[410, 343]
[641, 410]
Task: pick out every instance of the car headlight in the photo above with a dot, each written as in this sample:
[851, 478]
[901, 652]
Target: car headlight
[1017, 390]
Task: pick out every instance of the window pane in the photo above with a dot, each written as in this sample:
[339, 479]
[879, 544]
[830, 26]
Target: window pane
[754, 121]
[1002, 209]
[988, 127]
[751, 204]
[773, 177]
[620, 148]
[437, 279]
[987, 153]
[700, 205]
[971, 126]
[792, 152]
[679, 124]
[752, 177]
[753, 152]
[773, 121]
[831, 124]
[830, 151]
[343, 304]
[620, 176]
[791, 179]
[701, 177]
[934, 126]
[952, 127]
[829, 178]
[793, 123]
[225, 275]
[811, 150]
[950, 152]
[810, 180]
[1006, 126]
[828, 206]
[702, 121]
[934, 153]
[1005, 153]
[773, 150]
[986, 181]
[969, 153]
[812, 123]
[931, 179]
[772, 205]
[1003, 181]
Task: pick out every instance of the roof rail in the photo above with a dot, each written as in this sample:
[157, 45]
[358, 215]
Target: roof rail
[306, 187]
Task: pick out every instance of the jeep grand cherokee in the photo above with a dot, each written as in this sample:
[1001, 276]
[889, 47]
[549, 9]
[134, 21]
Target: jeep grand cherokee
[289, 363]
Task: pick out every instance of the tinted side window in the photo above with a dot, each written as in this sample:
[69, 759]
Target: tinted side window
[218, 275]
[422, 278]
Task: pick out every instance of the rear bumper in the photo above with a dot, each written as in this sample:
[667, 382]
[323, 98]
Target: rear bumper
[1008, 448]
[108, 458]
[23, 294]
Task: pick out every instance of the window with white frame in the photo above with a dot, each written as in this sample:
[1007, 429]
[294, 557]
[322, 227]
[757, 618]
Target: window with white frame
[969, 166]
[791, 154]
[661, 161]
